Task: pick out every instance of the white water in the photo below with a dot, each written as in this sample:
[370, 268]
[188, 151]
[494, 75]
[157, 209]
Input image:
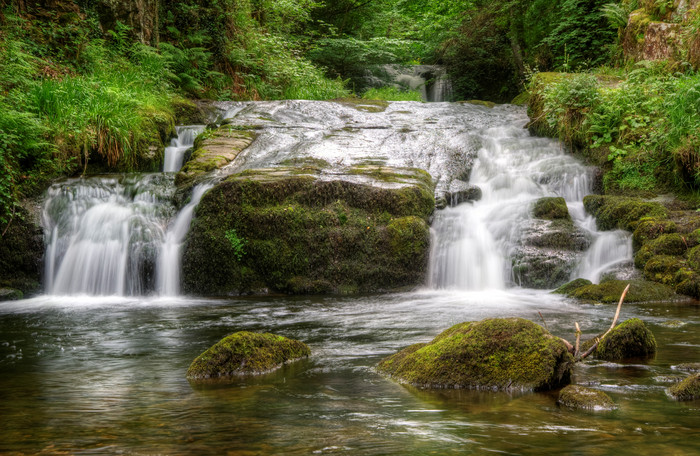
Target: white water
[174, 154]
[473, 242]
[170, 258]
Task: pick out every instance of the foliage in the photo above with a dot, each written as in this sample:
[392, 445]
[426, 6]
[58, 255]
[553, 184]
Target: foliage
[237, 243]
[390, 93]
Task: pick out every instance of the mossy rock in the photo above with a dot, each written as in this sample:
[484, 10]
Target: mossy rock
[582, 398]
[213, 149]
[487, 104]
[613, 212]
[21, 254]
[551, 208]
[694, 258]
[688, 367]
[610, 291]
[650, 228]
[630, 339]
[246, 353]
[306, 234]
[521, 100]
[10, 294]
[663, 269]
[569, 288]
[493, 354]
[542, 268]
[687, 390]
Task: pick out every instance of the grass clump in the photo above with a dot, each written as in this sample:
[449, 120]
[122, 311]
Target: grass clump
[390, 93]
[246, 353]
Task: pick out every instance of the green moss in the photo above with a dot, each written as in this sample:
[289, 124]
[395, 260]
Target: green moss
[621, 212]
[611, 290]
[488, 104]
[551, 208]
[10, 294]
[246, 353]
[569, 288]
[662, 269]
[650, 228]
[694, 258]
[309, 235]
[629, 339]
[365, 105]
[21, 254]
[503, 354]
[688, 389]
[579, 397]
[522, 99]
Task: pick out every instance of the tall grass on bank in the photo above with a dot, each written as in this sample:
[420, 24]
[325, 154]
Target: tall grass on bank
[390, 93]
[644, 129]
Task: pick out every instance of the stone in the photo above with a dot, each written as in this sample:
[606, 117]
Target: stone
[582, 398]
[687, 390]
[246, 353]
[630, 339]
[495, 354]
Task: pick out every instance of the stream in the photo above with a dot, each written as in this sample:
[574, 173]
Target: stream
[97, 365]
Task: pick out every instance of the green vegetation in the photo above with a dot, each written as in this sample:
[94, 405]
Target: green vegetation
[688, 389]
[503, 354]
[246, 353]
[389, 93]
[237, 244]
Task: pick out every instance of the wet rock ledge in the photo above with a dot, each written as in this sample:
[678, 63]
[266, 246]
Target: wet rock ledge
[304, 228]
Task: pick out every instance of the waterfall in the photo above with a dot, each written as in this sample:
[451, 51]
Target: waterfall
[473, 242]
[175, 153]
[169, 260]
[104, 233]
[432, 81]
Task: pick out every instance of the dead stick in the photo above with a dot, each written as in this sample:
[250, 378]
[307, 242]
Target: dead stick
[617, 315]
[578, 338]
[544, 322]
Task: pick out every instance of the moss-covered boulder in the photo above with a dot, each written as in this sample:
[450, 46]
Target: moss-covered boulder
[21, 254]
[214, 149]
[650, 228]
[246, 353]
[569, 288]
[550, 208]
[296, 230]
[688, 389]
[613, 212]
[493, 354]
[629, 339]
[582, 398]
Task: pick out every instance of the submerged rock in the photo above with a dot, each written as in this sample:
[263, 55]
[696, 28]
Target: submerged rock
[246, 353]
[296, 229]
[493, 354]
[629, 339]
[579, 397]
[688, 367]
[688, 389]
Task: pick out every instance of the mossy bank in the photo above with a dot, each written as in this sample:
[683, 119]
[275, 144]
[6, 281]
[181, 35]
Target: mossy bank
[296, 230]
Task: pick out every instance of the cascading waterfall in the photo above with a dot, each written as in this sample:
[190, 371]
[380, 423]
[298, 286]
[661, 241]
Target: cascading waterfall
[104, 233]
[473, 242]
[107, 236]
[169, 260]
[175, 153]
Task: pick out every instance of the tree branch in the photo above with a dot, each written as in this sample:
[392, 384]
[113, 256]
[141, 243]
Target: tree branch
[617, 315]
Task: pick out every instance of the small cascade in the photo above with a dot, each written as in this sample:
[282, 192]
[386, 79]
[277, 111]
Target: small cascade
[175, 153]
[432, 81]
[104, 233]
[473, 242]
[169, 260]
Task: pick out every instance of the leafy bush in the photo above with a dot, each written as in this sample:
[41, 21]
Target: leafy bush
[389, 93]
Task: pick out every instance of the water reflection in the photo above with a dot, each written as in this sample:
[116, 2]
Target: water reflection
[106, 375]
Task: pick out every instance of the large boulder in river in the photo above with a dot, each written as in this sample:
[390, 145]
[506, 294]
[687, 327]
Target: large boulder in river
[493, 354]
[300, 229]
[246, 353]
